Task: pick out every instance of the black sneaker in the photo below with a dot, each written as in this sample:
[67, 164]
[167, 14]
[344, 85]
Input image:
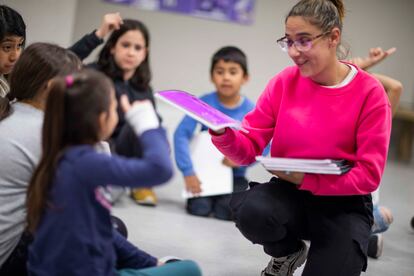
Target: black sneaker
[375, 246]
[169, 259]
[285, 266]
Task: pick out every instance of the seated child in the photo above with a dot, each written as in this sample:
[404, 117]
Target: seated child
[382, 215]
[12, 40]
[66, 207]
[228, 73]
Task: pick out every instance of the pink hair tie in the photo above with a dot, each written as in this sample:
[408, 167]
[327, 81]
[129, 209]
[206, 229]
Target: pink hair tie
[69, 81]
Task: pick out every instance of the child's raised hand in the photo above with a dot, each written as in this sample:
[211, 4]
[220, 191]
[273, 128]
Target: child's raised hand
[125, 104]
[110, 22]
[140, 115]
[375, 56]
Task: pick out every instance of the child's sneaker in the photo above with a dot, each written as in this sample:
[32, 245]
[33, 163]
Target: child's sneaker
[375, 246]
[144, 196]
[285, 266]
[119, 226]
[169, 259]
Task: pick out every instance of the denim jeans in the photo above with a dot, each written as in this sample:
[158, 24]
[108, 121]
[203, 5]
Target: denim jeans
[218, 206]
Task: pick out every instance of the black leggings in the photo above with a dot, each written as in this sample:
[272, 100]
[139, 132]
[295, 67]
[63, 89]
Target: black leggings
[277, 215]
[16, 263]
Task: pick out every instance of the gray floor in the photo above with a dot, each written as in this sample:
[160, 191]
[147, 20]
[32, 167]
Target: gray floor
[221, 250]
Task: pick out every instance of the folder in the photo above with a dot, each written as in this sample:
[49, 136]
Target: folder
[216, 178]
[198, 110]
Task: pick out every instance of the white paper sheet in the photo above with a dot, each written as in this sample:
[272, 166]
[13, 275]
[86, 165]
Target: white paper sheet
[216, 178]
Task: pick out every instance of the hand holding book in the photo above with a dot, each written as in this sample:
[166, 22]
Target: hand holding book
[317, 166]
[292, 177]
[199, 110]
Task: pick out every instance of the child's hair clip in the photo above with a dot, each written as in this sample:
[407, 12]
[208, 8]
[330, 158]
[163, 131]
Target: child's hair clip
[69, 81]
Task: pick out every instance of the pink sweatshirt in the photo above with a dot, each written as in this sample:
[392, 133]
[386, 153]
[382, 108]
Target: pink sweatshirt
[306, 120]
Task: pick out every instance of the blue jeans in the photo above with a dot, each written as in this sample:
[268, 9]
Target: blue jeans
[216, 205]
[380, 225]
[179, 268]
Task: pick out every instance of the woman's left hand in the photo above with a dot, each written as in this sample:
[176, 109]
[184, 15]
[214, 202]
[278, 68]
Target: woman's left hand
[293, 177]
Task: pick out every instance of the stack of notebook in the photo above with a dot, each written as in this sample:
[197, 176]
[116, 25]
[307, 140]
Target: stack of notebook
[318, 166]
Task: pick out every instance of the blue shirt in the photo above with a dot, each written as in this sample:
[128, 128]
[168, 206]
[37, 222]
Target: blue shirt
[185, 131]
[75, 235]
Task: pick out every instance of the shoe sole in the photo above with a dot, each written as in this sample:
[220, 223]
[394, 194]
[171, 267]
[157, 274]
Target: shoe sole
[145, 203]
[380, 245]
[300, 260]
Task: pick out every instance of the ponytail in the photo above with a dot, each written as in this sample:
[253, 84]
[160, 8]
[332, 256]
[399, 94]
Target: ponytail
[325, 14]
[52, 142]
[73, 107]
[339, 4]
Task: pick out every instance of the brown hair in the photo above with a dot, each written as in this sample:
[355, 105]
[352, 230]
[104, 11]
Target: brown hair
[39, 63]
[72, 113]
[106, 61]
[325, 14]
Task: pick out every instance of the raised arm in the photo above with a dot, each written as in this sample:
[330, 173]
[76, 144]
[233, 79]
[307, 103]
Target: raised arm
[393, 88]
[110, 22]
[84, 46]
[375, 56]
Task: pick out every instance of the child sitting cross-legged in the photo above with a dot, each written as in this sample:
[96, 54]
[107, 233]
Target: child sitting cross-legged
[66, 207]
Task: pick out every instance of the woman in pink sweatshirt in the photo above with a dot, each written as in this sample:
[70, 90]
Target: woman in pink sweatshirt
[319, 108]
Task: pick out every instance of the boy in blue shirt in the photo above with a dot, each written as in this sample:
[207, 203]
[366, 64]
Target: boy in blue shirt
[228, 73]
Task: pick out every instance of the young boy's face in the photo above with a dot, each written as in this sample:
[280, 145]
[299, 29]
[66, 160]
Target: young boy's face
[228, 77]
[10, 49]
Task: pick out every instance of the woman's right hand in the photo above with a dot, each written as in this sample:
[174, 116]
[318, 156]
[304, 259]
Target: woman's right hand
[192, 184]
[218, 131]
[110, 22]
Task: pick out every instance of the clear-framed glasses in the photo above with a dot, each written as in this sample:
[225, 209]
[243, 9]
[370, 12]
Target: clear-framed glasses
[302, 44]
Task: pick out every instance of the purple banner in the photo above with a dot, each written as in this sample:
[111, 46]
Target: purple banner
[237, 11]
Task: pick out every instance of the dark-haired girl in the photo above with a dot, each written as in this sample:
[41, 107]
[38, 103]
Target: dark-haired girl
[66, 205]
[125, 60]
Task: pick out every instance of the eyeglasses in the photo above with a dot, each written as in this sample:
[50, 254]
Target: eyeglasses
[303, 44]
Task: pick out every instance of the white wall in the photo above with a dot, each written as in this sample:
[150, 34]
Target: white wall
[387, 24]
[182, 46]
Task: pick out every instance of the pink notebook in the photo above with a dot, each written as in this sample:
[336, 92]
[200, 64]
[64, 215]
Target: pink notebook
[197, 109]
